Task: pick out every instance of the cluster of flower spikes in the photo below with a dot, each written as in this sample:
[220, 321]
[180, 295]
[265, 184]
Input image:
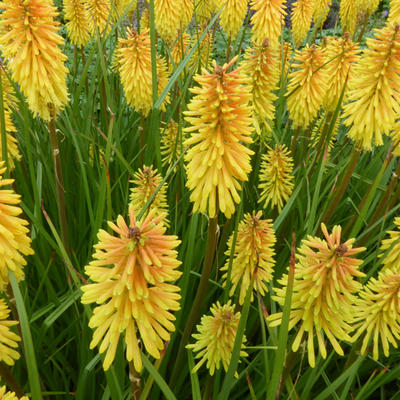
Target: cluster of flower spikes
[253, 256]
[132, 275]
[79, 25]
[29, 39]
[133, 58]
[276, 177]
[261, 65]
[220, 119]
[216, 337]
[307, 86]
[267, 20]
[146, 181]
[374, 95]
[324, 292]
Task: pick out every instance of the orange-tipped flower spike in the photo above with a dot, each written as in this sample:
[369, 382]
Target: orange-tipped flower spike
[261, 65]
[324, 290]
[390, 249]
[14, 240]
[79, 25]
[253, 255]
[220, 119]
[267, 20]
[302, 14]
[377, 313]
[134, 59]
[232, 16]
[131, 274]
[374, 95]
[307, 86]
[341, 57]
[29, 39]
[216, 337]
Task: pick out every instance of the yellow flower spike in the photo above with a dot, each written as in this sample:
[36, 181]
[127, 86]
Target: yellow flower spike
[7, 395]
[134, 59]
[348, 15]
[220, 120]
[232, 16]
[267, 20]
[167, 18]
[186, 12]
[317, 131]
[324, 290]
[276, 177]
[374, 91]
[377, 313]
[390, 249]
[261, 65]
[284, 56]
[171, 144]
[203, 10]
[8, 339]
[253, 255]
[99, 12]
[132, 273]
[321, 11]
[302, 13]
[369, 6]
[307, 86]
[14, 240]
[145, 184]
[216, 337]
[12, 143]
[79, 25]
[202, 56]
[35, 60]
[394, 12]
[180, 48]
[145, 20]
[341, 57]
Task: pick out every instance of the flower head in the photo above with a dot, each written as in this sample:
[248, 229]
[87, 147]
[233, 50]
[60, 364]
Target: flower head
[216, 337]
[391, 249]
[307, 86]
[29, 39]
[276, 178]
[253, 255]
[377, 312]
[267, 20]
[220, 119]
[146, 183]
[130, 274]
[167, 18]
[261, 65]
[79, 22]
[8, 339]
[134, 59]
[374, 93]
[99, 12]
[321, 11]
[323, 291]
[6, 395]
[232, 16]
[394, 13]
[302, 13]
[202, 57]
[13, 153]
[348, 15]
[14, 239]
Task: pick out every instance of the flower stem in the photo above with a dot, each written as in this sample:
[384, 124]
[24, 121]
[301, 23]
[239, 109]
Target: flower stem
[198, 301]
[62, 214]
[134, 378]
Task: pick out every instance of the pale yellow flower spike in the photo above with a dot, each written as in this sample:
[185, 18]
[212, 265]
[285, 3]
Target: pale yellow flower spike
[374, 91]
[276, 177]
[324, 290]
[302, 13]
[133, 57]
[12, 143]
[216, 337]
[377, 313]
[99, 12]
[35, 60]
[171, 144]
[167, 18]
[307, 86]
[14, 240]
[131, 274]
[390, 249]
[267, 20]
[8, 339]
[321, 11]
[253, 255]
[261, 65]
[220, 119]
[394, 13]
[348, 15]
[79, 25]
[341, 57]
[7, 395]
[232, 16]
